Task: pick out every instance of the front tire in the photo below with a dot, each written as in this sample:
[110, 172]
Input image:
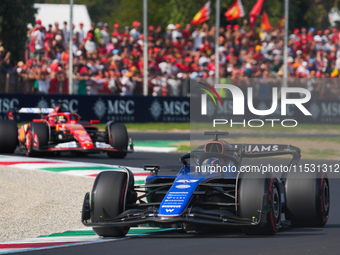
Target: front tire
[260, 194]
[36, 137]
[8, 136]
[118, 139]
[307, 199]
[109, 197]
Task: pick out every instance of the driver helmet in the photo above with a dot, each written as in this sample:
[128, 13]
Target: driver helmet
[61, 119]
[209, 165]
[211, 162]
[217, 161]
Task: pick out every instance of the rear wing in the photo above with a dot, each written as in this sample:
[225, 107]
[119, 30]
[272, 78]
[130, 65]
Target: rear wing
[35, 110]
[257, 150]
[267, 150]
[31, 110]
[262, 150]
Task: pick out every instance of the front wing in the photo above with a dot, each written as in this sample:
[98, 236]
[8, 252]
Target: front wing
[193, 215]
[76, 147]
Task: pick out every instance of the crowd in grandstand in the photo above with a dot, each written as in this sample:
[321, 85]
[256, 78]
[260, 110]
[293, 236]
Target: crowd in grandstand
[109, 60]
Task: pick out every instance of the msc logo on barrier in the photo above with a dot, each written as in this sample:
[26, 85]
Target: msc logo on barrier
[170, 110]
[117, 110]
[8, 103]
[68, 105]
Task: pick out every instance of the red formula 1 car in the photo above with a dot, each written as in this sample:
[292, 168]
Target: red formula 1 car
[62, 131]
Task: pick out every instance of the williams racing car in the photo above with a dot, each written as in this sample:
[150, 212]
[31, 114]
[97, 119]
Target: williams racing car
[59, 131]
[199, 197]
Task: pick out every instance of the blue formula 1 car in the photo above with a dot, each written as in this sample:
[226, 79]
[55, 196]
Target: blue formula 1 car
[212, 189]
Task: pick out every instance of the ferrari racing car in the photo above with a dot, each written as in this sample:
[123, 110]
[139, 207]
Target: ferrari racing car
[60, 131]
[199, 197]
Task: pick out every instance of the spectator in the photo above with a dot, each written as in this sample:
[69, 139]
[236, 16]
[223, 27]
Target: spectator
[104, 34]
[127, 84]
[92, 29]
[80, 34]
[169, 34]
[198, 36]
[105, 63]
[97, 32]
[158, 34]
[66, 33]
[137, 83]
[58, 46]
[43, 78]
[113, 82]
[39, 38]
[177, 34]
[187, 31]
[58, 32]
[90, 45]
[174, 86]
[49, 29]
[82, 76]
[126, 33]
[134, 31]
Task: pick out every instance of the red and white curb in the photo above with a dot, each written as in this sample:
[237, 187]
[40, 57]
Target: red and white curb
[68, 167]
[67, 238]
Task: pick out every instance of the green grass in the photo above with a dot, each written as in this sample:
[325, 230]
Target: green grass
[323, 154]
[153, 126]
[158, 126]
[292, 138]
[300, 128]
[187, 126]
[183, 148]
[317, 139]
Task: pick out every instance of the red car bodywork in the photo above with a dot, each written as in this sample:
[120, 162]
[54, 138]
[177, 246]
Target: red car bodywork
[67, 133]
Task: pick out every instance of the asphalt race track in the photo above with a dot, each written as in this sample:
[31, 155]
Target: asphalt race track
[288, 241]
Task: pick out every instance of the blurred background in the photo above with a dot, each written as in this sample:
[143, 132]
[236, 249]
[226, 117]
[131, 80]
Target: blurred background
[108, 45]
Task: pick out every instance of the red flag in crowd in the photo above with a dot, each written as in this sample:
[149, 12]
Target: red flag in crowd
[265, 25]
[254, 13]
[202, 16]
[235, 11]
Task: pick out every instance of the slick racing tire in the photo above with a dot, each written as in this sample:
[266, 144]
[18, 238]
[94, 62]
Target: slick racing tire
[8, 136]
[259, 200]
[110, 194]
[36, 138]
[307, 199]
[118, 139]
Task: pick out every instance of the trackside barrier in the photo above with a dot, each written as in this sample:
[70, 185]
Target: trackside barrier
[104, 108]
[141, 109]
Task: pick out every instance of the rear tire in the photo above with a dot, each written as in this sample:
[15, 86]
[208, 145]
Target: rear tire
[8, 136]
[118, 139]
[109, 198]
[307, 199]
[252, 201]
[36, 138]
